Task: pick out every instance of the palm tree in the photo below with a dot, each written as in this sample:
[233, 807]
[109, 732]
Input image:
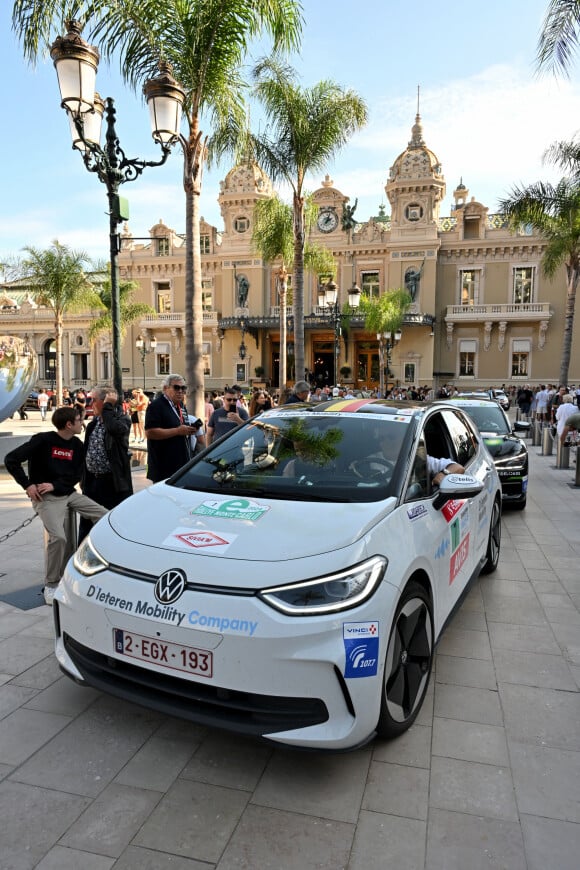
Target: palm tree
[58, 281]
[554, 211]
[305, 129]
[273, 239]
[130, 312]
[206, 44]
[384, 315]
[559, 36]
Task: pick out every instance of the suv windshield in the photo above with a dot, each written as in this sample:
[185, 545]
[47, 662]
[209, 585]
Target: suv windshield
[309, 456]
[488, 417]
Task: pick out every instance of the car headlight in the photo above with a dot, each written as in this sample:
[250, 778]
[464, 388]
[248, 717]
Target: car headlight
[329, 594]
[87, 561]
[514, 463]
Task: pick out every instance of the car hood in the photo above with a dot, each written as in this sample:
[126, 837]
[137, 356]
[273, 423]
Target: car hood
[234, 527]
[502, 445]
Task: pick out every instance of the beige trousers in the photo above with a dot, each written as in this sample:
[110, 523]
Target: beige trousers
[53, 511]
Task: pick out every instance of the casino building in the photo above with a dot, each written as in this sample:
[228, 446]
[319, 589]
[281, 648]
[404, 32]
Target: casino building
[483, 314]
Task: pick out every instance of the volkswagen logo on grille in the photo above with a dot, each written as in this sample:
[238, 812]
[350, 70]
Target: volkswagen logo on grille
[169, 586]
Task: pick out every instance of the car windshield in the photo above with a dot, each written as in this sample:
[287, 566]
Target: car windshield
[309, 456]
[488, 418]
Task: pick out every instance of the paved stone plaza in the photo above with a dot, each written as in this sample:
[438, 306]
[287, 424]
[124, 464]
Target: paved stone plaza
[488, 777]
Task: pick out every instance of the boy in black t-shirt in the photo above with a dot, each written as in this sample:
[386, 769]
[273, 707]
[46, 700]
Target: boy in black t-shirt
[55, 465]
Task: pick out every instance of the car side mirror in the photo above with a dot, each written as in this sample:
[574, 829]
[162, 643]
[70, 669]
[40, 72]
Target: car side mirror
[457, 486]
[522, 426]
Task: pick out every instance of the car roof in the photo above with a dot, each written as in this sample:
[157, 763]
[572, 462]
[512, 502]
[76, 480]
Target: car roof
[472, 399]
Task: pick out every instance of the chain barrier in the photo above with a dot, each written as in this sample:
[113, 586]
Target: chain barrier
[17, 529]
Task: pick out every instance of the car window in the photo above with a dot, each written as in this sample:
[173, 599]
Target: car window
[463, 438]
[419, 483]
[310, 456]
[489, 418]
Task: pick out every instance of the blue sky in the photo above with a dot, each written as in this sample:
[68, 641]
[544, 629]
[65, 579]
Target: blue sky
[485, 114]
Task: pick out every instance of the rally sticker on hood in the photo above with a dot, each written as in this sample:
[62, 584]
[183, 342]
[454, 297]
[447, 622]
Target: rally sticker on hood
[188, 539]
[231, 509]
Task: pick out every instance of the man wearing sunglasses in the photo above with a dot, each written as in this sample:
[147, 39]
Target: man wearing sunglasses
[227, 417]
[168, 431]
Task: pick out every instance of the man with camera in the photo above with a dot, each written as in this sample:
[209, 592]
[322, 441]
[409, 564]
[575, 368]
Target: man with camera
[169, 430]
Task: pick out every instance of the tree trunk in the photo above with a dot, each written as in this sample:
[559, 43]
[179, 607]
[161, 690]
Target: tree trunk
[57, 398]
[298, 286]
[194, 375]
[573, 275]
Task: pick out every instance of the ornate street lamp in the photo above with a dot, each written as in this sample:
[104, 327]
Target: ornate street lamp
[328, 299]
[141, 346]
[76, 65]
[387, 341]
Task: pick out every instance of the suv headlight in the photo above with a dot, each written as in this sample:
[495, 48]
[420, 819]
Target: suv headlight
[329, 594]
[87, 561]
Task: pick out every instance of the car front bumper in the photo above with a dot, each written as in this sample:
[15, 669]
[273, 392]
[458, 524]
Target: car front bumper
[303, 681]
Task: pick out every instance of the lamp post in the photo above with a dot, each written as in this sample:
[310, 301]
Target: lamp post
[242, 350]
[387, 341]
[328, 299]
[76, 65]
[144, 350]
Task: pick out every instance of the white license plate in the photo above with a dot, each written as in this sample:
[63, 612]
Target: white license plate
[163, 653]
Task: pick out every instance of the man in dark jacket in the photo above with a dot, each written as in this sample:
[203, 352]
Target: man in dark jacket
[168, 430]
[55, 465]
[107, 473]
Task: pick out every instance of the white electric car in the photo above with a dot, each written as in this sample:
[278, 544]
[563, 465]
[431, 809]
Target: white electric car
[291, 582]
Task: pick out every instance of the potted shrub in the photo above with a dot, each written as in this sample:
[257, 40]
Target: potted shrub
[259, 371]
[345, 372]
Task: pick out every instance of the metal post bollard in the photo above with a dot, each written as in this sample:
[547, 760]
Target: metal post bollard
[563, 455]
[577, 475]
[547, 441]
[537, 434]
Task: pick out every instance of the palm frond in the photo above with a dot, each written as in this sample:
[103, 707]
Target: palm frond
[559, 36]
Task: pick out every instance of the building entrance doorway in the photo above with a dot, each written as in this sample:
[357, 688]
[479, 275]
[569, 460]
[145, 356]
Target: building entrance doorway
[323, 369]
[368, 363]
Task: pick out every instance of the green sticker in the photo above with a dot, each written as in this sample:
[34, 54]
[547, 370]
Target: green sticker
[232, 509]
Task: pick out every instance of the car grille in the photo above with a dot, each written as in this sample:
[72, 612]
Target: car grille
[511, 488]
[243, 712]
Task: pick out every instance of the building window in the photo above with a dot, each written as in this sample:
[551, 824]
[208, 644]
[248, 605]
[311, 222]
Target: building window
[523, 287]
[162, 247]
[106, 373]
[162, 297]
[163, 358]
[206, 356]
[467, 358]
[370, 284]
[469, 280]
[241, 224]
[409, 373]
[520, 358]
[204, 244]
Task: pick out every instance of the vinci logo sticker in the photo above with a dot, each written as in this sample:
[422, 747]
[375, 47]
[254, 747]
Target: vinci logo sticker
[361, 648]
[186, 539]
[458, 559]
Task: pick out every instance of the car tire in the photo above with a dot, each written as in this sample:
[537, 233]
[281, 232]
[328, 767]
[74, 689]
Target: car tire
[494, 540]
[408, 662]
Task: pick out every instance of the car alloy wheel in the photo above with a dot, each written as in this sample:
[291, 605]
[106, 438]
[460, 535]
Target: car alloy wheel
[408, 662]
[494, 540]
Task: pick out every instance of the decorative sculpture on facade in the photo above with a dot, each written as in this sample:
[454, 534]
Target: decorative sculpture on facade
[487, 334]
[501, 337]
[542, 334]
[243, 288]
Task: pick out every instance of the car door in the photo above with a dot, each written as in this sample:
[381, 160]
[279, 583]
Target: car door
[449, 534]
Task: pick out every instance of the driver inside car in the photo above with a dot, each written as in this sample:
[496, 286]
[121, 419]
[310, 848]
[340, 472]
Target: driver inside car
[382, 461]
